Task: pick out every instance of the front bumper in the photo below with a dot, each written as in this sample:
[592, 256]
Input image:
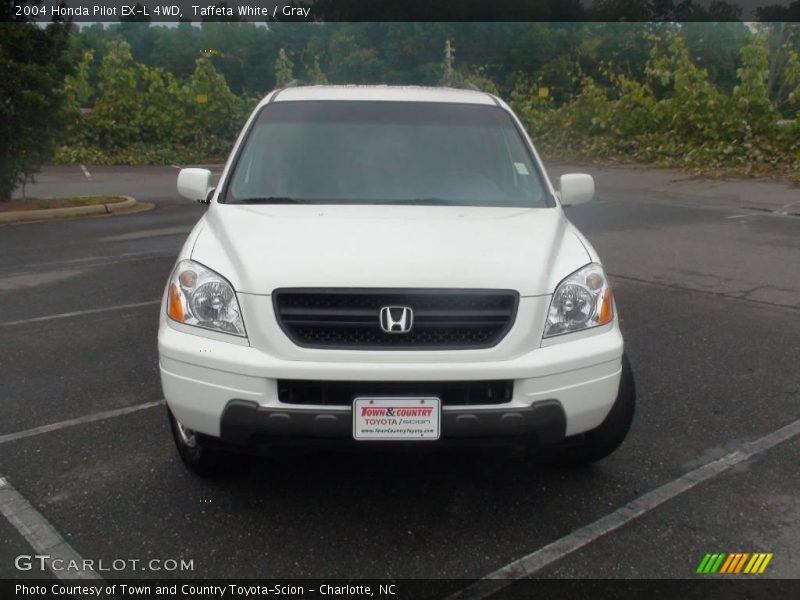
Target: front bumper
[229, 391]
[245, 423]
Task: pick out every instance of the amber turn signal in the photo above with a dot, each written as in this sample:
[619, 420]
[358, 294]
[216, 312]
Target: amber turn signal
[174, 305]
[606, 308]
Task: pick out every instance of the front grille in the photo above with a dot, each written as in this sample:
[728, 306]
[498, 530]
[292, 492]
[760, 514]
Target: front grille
[350, 318]
[342, 393]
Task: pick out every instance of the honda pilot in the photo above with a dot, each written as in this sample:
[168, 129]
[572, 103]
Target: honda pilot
[389, 266]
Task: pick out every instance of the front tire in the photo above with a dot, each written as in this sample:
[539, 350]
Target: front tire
[200, 459]
[598, 443]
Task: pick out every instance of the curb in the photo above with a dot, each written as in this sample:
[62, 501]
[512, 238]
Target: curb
[47, 214]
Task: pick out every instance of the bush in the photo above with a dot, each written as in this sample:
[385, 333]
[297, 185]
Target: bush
[145, 115]
[669, 112]
[676, 116]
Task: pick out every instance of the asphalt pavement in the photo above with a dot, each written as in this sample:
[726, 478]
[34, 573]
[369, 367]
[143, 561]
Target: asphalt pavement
[705, 276]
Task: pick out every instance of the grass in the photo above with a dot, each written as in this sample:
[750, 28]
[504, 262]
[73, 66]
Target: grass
[42, 203]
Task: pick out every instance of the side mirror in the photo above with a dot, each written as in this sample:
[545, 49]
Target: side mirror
[576, 188]
[195, 184]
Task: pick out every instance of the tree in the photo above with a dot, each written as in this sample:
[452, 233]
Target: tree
[716, 47]
[217, 113]
[116, 118]
[348, 60]
[77, 88]
[33, 62]
[284, 69]
[783, 46]
[478, 78]
[447, 65]
[315, 73]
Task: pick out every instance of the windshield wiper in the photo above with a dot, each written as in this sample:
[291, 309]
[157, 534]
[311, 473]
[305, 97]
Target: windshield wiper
[437, 201]
[272, 200]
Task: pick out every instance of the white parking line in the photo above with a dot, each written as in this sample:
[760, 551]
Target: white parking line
[98, 416]
[534, 562]
[79, 313]
[86, 172]
[741, 216]
[148, 233]
[40, 534]
[784, 210]
[91, 261]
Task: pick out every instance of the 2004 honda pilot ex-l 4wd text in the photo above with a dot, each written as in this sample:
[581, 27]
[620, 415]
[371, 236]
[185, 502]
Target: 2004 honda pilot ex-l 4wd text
[389, 265]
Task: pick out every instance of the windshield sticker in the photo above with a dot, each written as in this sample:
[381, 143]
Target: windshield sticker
[521, 168]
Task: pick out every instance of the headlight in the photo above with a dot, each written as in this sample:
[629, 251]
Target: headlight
[198, 296]
[581, 301]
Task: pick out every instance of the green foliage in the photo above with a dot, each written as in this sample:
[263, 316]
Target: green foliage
[146, 115]
[33, 61]
[698, 95]
[716, 47]
[350, 61]
[77, 87]
[448, 72]
[213, 123]
[284, 69]
[116, 116]
[479, 79]
[164, 104]
[315, 74]
[412, 53]
[674, 116]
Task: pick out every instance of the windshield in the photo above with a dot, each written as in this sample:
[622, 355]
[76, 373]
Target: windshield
[357, 152]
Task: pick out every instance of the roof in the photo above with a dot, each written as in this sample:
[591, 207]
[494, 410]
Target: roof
[381, 93]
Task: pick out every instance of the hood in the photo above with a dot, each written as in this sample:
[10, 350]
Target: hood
[260, 248]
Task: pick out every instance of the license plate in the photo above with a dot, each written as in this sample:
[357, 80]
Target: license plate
[396, 418]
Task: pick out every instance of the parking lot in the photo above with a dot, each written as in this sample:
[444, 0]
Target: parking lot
[706, 278]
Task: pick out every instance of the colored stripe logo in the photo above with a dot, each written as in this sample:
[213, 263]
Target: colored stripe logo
[734, 563]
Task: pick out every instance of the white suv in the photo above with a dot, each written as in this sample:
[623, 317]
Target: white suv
[389, 265]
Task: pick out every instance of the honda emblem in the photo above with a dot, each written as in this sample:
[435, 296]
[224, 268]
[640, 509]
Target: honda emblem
[397, 319]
